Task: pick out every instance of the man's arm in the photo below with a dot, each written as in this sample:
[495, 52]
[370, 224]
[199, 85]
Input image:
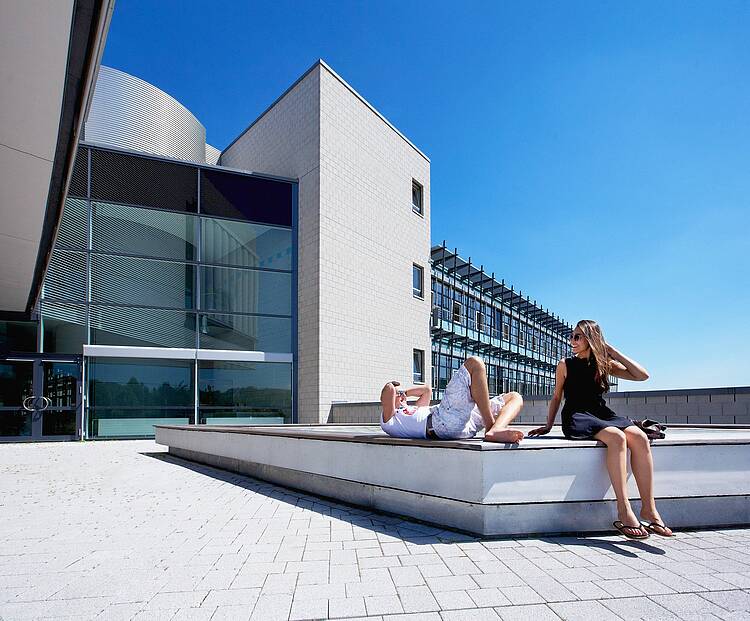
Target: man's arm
[424, 394]
[388, 401]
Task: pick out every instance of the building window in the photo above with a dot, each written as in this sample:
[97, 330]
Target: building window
[417, 279]
[417, 197]
[480, 321]
[418, 366]
[456, 312]
[506, 331]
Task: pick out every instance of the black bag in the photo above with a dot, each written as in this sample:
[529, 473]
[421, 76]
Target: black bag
[653, 429]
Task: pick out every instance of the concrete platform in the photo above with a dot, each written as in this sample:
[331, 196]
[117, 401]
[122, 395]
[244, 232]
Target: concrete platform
[545, 485]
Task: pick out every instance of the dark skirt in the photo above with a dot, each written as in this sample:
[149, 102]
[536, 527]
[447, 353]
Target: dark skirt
[578, 425]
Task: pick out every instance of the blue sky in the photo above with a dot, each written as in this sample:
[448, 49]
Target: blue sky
[594, 154]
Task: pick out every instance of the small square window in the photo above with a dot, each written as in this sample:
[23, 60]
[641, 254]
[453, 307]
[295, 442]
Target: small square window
[417, 281]
[418, 366]
[417, 197]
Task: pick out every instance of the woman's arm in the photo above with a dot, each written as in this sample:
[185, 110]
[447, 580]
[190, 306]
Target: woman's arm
[424, 394]
[388, 401]
[625, 368]
[554, 404]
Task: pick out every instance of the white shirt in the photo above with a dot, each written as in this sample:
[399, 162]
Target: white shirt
[407, 422]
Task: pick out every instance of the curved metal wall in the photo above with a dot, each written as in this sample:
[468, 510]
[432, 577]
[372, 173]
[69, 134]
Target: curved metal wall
[130, 113]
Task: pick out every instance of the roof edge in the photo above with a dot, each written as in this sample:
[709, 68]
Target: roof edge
[321, 63]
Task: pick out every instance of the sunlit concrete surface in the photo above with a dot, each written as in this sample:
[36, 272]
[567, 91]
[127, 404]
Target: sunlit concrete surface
[120, 530]
[546, 486]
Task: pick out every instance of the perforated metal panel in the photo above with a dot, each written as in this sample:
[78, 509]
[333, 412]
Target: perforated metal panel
[120, 178]
[73, 231]
[79, 177]
[66, 276]
[129, 113]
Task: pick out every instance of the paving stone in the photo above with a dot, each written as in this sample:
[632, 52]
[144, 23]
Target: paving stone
[501, 580]
[451, 583]
[383, 604]
[237, 612]
[346, 607]
[638, 608]
[519, 595]
[488, 597]
[478, 614]
[406, 576]
[686, 603]
[730, 600]
[309, 609]
[586, 590]
[450, 600]
[538, 612]
[583, 611]
[272, 608]
[417, 599]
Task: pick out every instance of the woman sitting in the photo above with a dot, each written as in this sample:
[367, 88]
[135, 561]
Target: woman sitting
[583, 378]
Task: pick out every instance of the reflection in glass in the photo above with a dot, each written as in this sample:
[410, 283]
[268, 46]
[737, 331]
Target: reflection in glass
[63, 327]
[246, 291]
[142, 327]
[245, 416]
[136, 382]
[58, 422]
[144, 282]
[246, 245]
[245, 384]
[16, 382]
[14, 423]
[19, 336]
[61, 383]
[246, 332]
[148, 232]
[134, 422]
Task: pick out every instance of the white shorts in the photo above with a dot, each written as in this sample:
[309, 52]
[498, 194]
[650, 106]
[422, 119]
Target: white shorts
[458, 417]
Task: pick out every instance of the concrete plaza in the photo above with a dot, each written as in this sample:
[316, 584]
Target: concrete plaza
[121, 530]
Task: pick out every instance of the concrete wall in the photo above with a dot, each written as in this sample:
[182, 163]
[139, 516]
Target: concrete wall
[700, 406]
[358, 237]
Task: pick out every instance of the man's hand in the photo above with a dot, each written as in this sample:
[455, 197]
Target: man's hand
[539, 431]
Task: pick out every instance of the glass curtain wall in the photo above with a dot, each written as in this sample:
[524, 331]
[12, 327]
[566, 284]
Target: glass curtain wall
[154, 253]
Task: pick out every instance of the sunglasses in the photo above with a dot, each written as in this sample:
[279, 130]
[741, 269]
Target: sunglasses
[576, 337]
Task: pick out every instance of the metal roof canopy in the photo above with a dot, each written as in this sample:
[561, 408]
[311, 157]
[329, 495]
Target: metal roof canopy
[477, 278]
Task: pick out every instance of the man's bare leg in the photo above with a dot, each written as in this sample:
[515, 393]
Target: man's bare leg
[481, 395]
[500, 431]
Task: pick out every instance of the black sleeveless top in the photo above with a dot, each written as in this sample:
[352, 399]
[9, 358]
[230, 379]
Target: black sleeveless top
[585, 412]
[582, 393]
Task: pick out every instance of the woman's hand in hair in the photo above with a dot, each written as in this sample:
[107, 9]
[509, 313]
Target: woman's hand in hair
[539, 431]
[612, 352]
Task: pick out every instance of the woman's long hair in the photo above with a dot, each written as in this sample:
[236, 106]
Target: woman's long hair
[598, 347]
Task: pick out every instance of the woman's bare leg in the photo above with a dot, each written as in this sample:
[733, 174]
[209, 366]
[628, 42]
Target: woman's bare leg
[617, 467]
[499, 431]
[642, 464]
[481, 394]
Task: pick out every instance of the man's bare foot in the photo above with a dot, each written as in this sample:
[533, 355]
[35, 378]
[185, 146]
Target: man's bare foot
[512, 436]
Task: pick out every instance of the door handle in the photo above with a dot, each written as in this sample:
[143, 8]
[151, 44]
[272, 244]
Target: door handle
[26, 406]
[46, 402]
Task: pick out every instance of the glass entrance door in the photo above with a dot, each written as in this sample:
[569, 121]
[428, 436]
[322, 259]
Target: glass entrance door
[40, 398]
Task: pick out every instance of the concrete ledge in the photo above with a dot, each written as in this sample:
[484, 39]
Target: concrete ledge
[548, 485]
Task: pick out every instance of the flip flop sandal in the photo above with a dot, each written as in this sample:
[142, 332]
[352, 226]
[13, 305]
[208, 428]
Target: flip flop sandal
[653, 526]
[623, 532]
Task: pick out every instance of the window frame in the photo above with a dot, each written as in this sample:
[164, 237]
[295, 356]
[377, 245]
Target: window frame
[417, 209]
[417, 354]
[417, 294]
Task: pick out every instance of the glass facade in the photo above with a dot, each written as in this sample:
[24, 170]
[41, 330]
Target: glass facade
[154, 253]
[474, 314]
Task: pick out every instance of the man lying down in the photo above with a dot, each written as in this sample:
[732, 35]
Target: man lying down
[465, 409]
